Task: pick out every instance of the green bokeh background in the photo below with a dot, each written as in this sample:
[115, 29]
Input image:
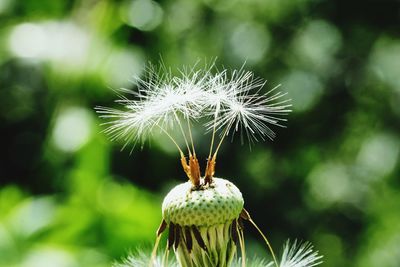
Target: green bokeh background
[70, 198]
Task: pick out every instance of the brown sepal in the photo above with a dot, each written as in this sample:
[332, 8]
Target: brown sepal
[171, 235]
[162, 227]
[244, 214]
[240, 223]
[198, 237]
[177, 235]
[188, 238]
[234, 233]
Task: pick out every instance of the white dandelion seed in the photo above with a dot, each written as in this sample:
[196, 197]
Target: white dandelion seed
[299, 255]
[230, 102]
[235, 104]
[244, 109]
[159, 103]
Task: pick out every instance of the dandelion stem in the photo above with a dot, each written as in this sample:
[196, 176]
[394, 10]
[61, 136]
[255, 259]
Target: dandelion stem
[214, 130]
[183, 133]
[190, 136]
[222, 139]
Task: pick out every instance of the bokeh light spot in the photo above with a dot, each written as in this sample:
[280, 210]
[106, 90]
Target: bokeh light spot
[316, 44]
[250, 42]
[63, 43]
[72, 129]
[304, 89]
[385, 61]
[28, 40]
[182, 15]
[32, 215]
[330, 183]
[49, 257]
[5, 5]
[378, 155]
[122, 65]
[142, 14]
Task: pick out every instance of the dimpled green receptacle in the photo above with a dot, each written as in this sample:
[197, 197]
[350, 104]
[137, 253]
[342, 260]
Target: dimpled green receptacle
[219, 203]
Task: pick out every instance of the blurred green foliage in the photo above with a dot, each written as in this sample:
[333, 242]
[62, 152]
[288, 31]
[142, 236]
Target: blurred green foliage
[70, 198]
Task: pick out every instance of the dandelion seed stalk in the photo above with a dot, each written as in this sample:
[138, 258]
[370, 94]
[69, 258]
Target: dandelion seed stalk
[203, 217]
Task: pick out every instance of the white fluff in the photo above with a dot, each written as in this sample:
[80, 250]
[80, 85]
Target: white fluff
[232, 102]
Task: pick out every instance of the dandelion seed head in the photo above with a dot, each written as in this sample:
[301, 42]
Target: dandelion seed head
[233, 102]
